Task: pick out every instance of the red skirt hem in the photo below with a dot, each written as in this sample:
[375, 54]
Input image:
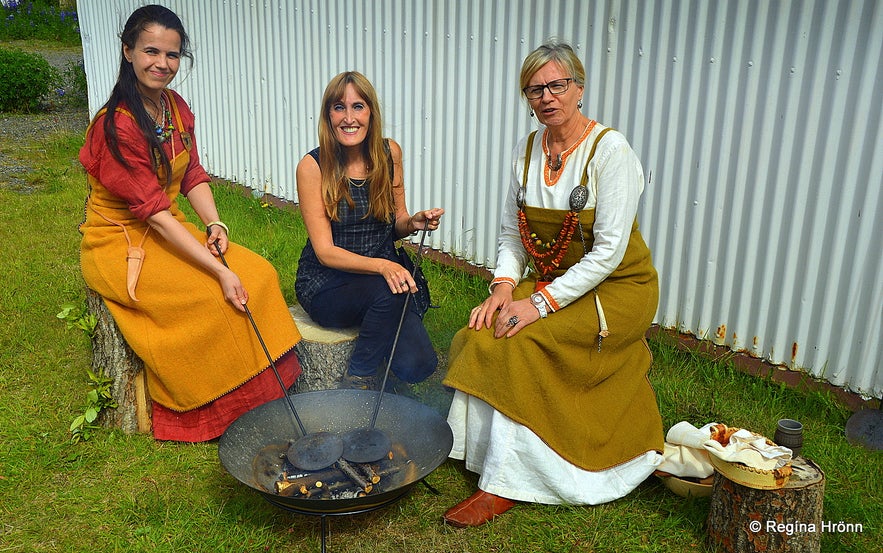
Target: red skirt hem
[211, 420]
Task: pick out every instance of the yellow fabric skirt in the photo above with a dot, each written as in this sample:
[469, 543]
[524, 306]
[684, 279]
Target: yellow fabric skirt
[195, 345]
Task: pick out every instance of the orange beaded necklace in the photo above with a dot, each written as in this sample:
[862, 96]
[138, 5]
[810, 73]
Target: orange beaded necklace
[547, 256]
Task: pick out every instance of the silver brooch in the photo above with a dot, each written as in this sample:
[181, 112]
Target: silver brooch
[578, 198]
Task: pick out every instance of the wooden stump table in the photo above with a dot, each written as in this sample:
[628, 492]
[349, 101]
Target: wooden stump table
[787, 520]
[324, 353]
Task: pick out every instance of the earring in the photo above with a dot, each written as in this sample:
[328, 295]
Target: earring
[531, 113]
[579, 105]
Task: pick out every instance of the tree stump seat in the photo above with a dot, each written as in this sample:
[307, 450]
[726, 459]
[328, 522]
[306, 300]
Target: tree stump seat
[786, 520]
[324, 353]
[112, 357]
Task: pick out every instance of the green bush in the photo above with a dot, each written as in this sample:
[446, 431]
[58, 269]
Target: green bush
[25, 80]
[40, 19]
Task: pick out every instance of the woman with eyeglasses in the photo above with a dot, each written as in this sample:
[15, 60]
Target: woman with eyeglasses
[552, 403]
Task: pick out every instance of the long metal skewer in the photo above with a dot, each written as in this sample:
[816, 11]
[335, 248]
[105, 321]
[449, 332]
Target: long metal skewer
[311, 451]
[367, 444]
[399, 329]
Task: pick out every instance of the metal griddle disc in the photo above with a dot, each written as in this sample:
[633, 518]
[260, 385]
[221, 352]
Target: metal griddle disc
[865, 427]
[365, 445]
[315, 451]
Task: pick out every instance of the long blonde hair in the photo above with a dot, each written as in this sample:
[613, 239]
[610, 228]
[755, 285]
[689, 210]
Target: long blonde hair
[381, 204]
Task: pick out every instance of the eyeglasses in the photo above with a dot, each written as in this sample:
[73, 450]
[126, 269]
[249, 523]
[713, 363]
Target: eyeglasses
[556, 87]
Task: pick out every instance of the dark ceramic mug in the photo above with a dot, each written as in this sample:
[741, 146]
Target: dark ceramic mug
[789, 433]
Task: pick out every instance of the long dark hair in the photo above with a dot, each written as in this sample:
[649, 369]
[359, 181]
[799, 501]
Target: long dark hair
[125, 91]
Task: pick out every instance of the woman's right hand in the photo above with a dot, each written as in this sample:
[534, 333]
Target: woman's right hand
[483, 315]
[397, 277]
[195, 252]
[233, 290]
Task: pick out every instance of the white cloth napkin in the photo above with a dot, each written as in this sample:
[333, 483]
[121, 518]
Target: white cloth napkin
[684, 454]
[750, 449]
[687, 449]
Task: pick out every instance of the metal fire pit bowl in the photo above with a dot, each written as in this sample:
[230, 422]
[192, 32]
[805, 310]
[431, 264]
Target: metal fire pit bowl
[417, 428]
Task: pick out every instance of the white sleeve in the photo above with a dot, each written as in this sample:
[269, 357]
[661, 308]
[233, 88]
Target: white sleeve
[512, 259]
[616, 175]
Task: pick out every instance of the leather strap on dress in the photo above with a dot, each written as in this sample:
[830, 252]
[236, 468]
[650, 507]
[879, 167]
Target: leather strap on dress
[134, 254]
[186, 139]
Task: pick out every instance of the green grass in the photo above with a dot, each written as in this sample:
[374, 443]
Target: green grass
[130, 493]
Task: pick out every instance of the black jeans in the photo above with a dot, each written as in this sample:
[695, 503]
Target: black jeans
[352, 299]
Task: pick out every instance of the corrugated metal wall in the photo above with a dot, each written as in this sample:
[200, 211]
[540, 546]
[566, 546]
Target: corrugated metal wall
[759, 121]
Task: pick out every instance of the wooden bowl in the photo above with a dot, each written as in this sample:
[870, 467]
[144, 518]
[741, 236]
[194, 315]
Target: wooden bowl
[687, 487]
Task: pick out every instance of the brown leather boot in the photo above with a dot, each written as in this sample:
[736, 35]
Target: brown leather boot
[479, 508]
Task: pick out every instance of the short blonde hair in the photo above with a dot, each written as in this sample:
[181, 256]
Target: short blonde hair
[559, 52]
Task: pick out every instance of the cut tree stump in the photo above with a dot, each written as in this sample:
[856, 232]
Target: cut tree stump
[787, 520]
[324, 353]
[113, 358]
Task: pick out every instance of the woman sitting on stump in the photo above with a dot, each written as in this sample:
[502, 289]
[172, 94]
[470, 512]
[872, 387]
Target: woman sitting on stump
[178, 307]
[352, 197]
[552, 402]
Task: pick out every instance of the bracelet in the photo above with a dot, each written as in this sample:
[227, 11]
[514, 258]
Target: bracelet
[220, 224]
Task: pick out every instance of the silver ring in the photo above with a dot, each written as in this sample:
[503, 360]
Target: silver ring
[513, 320]
[402, 283]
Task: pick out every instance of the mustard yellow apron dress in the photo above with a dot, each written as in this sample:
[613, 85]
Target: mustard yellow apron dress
[195, 345]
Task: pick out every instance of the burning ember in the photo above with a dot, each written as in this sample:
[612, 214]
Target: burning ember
[273, 473]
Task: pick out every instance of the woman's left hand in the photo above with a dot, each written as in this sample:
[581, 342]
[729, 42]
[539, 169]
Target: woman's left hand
[428, 219]
[513, 317]
[217, 232]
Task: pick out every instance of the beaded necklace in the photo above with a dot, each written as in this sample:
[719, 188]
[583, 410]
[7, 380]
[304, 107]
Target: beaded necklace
[547, 256]
[165, 127]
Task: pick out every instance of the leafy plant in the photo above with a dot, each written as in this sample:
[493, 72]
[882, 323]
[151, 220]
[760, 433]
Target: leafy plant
[25, 80]
[78, 316]
[38, 19]
[98, 398]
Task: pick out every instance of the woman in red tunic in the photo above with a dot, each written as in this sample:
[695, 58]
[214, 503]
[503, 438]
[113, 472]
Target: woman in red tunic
[179, 308]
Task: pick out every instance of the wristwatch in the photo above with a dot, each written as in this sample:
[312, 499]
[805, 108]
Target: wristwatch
[539, 302]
